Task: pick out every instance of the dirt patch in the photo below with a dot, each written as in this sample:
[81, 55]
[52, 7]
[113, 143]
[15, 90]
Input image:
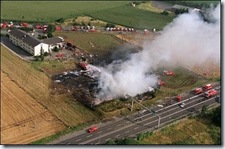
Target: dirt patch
[23, 119]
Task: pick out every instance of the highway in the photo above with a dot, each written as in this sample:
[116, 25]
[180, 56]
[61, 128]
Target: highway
[141, 121]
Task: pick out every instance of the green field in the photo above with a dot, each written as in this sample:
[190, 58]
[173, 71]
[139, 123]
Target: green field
[99, 43]
[115, 12]
[50, 11]
[133, 17]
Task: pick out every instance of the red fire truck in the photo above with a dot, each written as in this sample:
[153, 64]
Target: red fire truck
[211, 93]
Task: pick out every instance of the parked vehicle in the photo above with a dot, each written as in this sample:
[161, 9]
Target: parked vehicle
[168, 73]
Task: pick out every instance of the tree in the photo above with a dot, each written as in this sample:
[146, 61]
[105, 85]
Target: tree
[49, 35]
[60, 20]
[42, 54]
[110, 25]
[165, 13]
[50, 28]
[55, 49]
[216, 116]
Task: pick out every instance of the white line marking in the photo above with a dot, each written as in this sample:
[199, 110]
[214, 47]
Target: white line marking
[136, 128]
[78, 140]
[89, 136]
[127, 131]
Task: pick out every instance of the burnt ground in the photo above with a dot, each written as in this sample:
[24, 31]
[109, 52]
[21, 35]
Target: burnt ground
[82, 85]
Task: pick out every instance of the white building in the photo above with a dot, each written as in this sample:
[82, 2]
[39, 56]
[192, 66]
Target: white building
[54, 42]
[27, 42]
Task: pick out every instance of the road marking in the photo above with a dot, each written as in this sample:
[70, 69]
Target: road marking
[87, 141]
[179, 111]
[119, 125]
[127, 131]
[150, 114]
[100, 131]
[89, 136]
[109, 128]
[78, 139]
[136, 128]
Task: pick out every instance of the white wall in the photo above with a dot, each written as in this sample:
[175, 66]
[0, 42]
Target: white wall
[37, 49]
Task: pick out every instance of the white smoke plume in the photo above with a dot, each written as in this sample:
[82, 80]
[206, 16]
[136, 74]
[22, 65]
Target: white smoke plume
[188, 40]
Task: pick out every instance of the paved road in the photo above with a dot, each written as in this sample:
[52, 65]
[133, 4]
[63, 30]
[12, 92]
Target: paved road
[140, 122]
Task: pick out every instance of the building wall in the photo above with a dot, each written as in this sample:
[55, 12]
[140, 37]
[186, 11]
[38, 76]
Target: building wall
[37, 49]
[21, 44]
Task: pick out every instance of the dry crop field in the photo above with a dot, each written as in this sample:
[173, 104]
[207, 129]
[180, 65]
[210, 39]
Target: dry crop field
[23, 119]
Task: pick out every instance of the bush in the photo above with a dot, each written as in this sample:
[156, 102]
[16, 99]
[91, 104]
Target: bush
[46, 54]
[50, 35]
[60, 20]
[55, 49]
[140, 137]
[181, 11]
[110, 25]
[50, 28]
[216, 116]
[165, 13]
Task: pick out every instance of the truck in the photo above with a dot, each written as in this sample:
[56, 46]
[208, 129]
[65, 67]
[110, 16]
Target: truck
[161, 83]
[198, 91]
[179, 98]
[208, 86]
[211, 93]
[168, 73]
[83, 65]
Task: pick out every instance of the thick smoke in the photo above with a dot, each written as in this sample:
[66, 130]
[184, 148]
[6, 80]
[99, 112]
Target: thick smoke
[187, 41]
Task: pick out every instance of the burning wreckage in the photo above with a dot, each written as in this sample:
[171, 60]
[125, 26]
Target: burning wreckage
[84, 86]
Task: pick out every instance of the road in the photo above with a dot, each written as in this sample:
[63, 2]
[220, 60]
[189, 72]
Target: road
[140, 122]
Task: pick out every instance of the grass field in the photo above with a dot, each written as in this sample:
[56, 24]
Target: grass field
[23, 119]
[37, 84]
[48, 11]
[133, 17]
[187, 131]
[115, 12]
[96, 42]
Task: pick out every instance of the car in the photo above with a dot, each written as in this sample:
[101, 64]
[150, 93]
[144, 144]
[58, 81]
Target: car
[161, 106]
[182, 105]
[92, 129]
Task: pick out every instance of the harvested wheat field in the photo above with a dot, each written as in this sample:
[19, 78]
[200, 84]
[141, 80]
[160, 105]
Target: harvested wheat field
[23, 119]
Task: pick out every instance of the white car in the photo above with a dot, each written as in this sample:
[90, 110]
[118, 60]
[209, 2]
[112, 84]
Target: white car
[161, 106]
[182, 105]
